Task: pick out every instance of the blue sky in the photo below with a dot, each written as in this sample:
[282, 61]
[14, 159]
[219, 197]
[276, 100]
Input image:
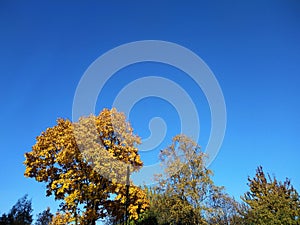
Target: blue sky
[252, 47]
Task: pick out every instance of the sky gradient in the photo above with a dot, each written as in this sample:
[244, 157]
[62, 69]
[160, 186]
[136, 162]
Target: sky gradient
[252, 47]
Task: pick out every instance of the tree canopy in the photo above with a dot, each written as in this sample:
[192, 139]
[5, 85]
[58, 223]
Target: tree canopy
[20, 213]
[83, 164]
[44, 218]
[271, 201]
[186, 194]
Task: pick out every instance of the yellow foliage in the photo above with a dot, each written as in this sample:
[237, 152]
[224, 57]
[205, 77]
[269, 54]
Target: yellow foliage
[83, 163]
[61, 219]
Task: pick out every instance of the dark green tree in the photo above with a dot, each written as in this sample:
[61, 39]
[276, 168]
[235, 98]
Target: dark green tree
[4, 220]
[44, 218]
[20, 213]
[271, 201]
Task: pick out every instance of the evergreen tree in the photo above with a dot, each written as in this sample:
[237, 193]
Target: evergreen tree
[20, 213]
[271, 201]
[44, 218]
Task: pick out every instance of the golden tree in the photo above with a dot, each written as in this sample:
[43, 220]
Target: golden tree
[60, 219]
[84, 164]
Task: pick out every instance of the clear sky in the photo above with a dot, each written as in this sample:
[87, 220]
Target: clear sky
[253, 48]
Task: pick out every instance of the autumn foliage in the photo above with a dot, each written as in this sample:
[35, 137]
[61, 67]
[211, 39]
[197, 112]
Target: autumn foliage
[83, 164]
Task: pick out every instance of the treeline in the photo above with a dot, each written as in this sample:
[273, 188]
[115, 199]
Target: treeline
[186, 195]
[193, 200]
[79, 163]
